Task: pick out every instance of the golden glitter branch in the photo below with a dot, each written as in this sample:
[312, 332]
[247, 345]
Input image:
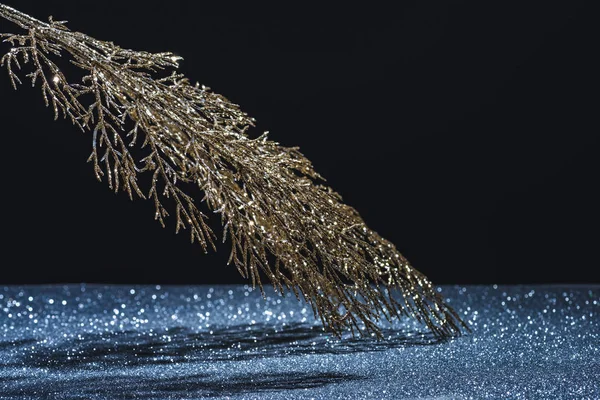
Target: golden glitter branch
[277, 218]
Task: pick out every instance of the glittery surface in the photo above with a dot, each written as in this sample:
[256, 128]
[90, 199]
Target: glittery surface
[117, 342]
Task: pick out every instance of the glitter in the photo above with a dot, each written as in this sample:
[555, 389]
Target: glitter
[542, 347]
[270, 199]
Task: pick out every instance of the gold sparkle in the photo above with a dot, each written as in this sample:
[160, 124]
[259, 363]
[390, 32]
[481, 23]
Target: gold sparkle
[275, 214]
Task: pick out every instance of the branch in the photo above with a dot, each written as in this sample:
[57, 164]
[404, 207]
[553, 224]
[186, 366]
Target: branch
[279, 218]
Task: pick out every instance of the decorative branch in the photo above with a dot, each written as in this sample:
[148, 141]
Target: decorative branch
[298, 232]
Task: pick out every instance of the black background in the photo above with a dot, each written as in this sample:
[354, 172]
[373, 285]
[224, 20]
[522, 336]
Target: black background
[467, 134]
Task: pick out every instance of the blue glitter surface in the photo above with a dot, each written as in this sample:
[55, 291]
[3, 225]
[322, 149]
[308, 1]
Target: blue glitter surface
[117, 342]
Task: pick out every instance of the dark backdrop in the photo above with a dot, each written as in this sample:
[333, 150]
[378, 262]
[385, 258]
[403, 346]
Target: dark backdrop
[467, 134]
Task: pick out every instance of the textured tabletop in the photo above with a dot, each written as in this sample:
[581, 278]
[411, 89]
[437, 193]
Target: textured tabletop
[152, 342]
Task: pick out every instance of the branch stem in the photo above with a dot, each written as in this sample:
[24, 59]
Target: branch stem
[23, 20]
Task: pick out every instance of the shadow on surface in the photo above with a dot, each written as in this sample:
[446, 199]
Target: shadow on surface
[182, 345]
[155, 387]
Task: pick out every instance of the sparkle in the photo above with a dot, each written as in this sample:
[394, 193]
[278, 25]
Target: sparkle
[270, 199]
[525, 352]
